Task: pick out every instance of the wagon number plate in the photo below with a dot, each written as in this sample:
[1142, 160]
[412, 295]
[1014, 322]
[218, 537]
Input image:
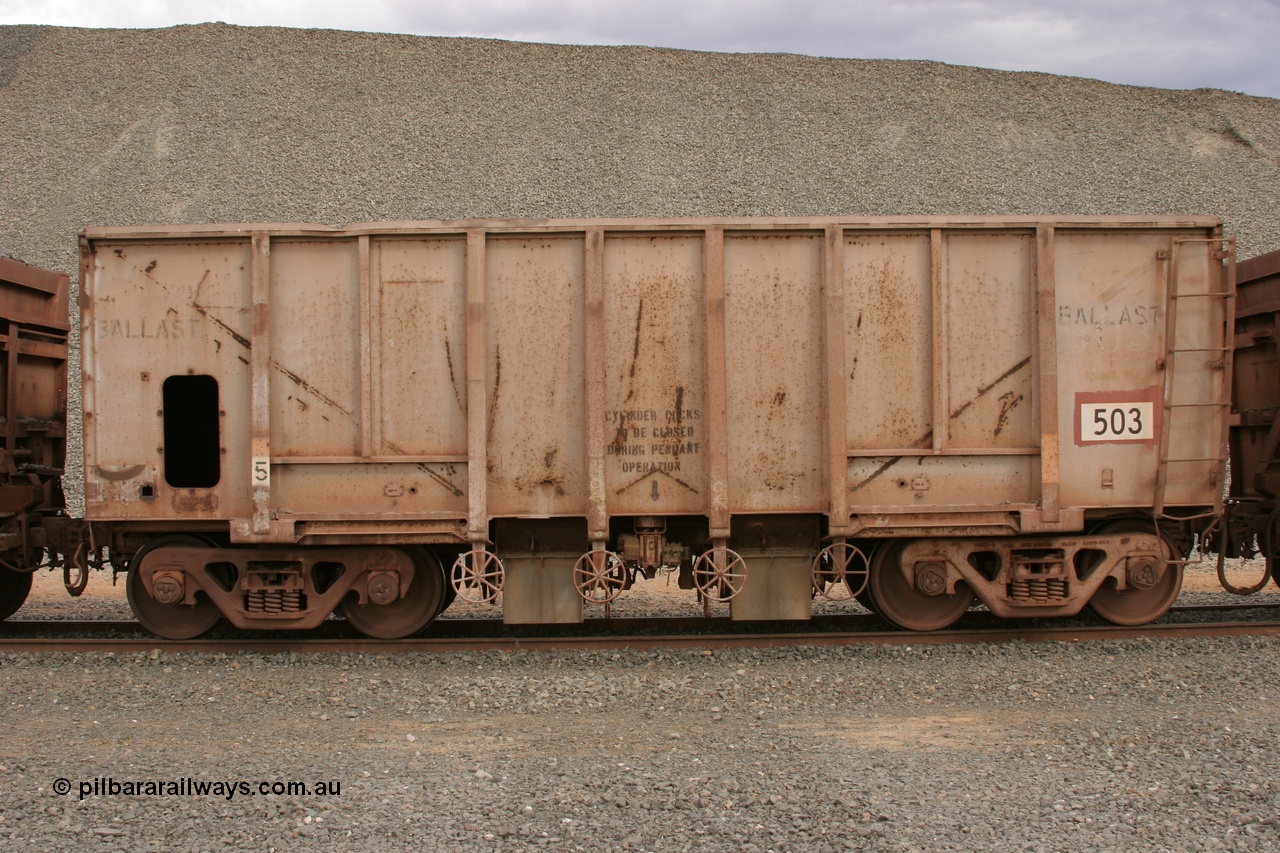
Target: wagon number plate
[1117, 421]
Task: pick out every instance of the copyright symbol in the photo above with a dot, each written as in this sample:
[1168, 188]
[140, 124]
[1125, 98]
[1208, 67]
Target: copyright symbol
[61, 786]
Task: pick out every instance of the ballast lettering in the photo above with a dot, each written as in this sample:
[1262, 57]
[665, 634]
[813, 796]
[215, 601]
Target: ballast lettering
[142, 328]
[1106, 314]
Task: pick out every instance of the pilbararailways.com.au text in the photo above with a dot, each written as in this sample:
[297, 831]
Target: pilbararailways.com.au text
[109, 786]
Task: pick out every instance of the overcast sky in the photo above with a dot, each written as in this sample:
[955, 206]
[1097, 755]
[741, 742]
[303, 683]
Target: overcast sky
[1176, 44]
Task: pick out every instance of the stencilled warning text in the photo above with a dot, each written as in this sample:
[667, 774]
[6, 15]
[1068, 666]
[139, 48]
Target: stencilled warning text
[653, 440]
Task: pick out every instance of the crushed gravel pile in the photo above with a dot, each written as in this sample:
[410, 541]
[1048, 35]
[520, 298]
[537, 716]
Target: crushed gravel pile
[221, 123]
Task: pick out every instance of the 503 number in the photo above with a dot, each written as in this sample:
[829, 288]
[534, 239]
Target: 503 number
[1117, 421]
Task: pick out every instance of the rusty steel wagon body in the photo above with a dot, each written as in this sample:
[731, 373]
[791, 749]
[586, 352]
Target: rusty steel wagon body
[282, 421]
[33, 415]
[1253, 520]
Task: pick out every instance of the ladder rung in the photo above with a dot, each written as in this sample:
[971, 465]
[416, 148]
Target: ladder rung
[1202, 295]
[1199, 349]
[1192, 405]
[1195, 459]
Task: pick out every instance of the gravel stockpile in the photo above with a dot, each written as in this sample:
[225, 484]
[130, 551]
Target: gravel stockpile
[220, 123]
[1105, 746]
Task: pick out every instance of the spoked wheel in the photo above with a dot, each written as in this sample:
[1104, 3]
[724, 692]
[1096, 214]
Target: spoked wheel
[899, 600]
[477, 576]
[14, 587]
[1149, 594]
[599, 576]
[840, 572]
[171, 621]
[405, 616]
[719, 574]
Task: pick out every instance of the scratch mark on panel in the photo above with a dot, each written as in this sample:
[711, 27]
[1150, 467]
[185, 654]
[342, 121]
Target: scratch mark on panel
[982, 392]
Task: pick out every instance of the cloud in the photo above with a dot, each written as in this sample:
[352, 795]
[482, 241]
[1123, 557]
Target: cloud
[1172, 44]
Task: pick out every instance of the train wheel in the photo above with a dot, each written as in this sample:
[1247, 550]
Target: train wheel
[448, 593]
[1267, 542]
[899, 601]
[14, 587]
[1148, 596]
[405, 616]
[171, 621]
[864, 598]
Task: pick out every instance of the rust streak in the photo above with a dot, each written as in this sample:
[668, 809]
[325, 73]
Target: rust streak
[1009, 401]
[876, 473]
[307, 386]
[439, 478]
[635, 355]
[982, 392]
[203, 312]
[453, 380]
[424, 468]
[497, 385]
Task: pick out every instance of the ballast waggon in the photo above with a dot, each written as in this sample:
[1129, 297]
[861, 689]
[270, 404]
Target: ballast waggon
[286, 421]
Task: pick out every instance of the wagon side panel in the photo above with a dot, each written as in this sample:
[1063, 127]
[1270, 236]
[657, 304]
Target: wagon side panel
[536, 375]
[655, 376]
[775, 372]
[167, 334]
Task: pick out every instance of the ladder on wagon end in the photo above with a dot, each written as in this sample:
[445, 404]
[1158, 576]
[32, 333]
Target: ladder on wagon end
[1218, 358]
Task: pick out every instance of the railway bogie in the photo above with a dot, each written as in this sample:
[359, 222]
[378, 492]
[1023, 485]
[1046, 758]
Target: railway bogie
[181, 585]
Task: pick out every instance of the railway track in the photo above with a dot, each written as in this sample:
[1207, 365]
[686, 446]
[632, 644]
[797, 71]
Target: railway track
[460, 635]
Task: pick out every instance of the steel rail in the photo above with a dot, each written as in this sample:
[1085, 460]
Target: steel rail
[834, 623]
[602, 642]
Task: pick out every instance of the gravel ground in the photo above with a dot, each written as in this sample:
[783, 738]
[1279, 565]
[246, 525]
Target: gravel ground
[1100, 746]
[1124, 746]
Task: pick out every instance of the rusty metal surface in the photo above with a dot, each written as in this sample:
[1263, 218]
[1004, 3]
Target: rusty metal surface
[773, 310]
[1113, 303]
[1256, 380]
[655, 417]
[33, 335]
[33, 418]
